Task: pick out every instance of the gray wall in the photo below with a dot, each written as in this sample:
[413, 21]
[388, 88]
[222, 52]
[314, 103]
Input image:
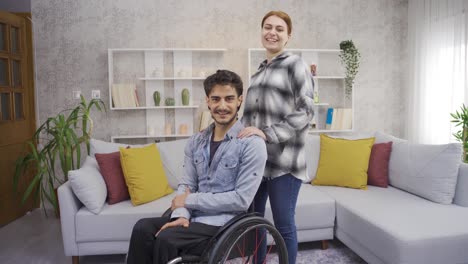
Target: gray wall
[72, 38]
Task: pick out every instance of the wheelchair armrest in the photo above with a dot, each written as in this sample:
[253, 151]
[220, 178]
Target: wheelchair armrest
[167, 213]
[234, 220]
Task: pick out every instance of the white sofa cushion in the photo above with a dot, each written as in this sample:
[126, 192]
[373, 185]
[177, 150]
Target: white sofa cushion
[172, 156]
[88, 185]
[312, 149]
[429, 171]
[399, 227]
[115, 222]
[314, 209]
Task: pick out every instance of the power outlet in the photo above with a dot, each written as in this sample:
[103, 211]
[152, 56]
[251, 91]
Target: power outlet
[96, 94]
[77, 95]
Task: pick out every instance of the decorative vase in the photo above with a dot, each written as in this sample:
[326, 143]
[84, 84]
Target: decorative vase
[183, 129]
[170, 101]
[157, 98]
[185, 96]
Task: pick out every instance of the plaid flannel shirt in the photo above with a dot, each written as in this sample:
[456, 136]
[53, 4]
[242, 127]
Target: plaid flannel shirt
[279, 102]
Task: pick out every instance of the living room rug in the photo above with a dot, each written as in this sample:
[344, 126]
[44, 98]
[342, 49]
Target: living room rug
[337, 253]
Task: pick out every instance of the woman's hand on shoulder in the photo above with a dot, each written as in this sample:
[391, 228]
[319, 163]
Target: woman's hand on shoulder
[250, 131]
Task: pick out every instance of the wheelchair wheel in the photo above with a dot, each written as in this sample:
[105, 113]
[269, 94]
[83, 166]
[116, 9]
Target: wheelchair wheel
[241, 243]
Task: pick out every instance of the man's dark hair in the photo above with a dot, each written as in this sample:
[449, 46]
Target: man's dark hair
[223, 77]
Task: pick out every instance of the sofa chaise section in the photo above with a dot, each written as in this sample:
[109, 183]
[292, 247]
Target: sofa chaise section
[388, 225]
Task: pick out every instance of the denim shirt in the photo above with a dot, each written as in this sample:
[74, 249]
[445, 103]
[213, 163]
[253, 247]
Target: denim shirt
[227, 187]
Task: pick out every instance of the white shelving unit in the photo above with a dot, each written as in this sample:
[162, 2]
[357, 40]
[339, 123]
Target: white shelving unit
[329, 81]
[167, 71]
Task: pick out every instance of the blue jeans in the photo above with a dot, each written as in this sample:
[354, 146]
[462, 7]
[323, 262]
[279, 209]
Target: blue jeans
[283, 192]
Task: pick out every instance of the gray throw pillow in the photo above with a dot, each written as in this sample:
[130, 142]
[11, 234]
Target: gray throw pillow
[429, 171]
[172, 156]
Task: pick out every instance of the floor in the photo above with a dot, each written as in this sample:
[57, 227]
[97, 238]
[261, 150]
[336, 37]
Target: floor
[36, 239]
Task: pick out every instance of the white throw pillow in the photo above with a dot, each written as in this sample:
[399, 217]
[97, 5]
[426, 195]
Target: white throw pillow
[429, 171]
[312, 150]
[172, 156]
[88, 185]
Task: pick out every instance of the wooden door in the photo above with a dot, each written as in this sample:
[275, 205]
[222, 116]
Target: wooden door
[17, 113]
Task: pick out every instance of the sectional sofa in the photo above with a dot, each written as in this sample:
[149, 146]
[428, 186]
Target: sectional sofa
[382, 225]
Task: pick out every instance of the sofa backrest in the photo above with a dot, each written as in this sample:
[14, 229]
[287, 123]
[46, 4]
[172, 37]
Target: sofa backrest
[313, 156]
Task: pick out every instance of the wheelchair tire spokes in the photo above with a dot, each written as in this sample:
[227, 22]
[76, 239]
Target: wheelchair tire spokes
[242, 243]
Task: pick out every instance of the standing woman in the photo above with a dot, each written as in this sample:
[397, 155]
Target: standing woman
[279, 108]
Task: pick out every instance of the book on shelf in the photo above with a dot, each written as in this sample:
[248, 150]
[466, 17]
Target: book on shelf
[336, 119]
[342, 119]
[329, 118]
[124, 95]
[205, 120]
[347, 121]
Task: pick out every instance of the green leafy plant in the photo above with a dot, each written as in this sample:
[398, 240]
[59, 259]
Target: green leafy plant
[350, 60]
[461, 119]
[57, 141]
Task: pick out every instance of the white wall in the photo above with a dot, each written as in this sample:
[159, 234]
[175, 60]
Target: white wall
[72, 38]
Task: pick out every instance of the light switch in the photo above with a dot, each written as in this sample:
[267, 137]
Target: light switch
[76, 95]
[96, 94]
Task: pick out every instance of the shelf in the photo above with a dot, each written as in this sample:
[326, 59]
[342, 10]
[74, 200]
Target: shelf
[170, 78]
[155, 107]
[329, 85]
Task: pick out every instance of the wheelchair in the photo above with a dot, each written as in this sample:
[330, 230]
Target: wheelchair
[238, 241]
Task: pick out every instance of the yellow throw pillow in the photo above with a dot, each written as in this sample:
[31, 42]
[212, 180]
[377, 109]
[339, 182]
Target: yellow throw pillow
[343, 162]
[144, 174]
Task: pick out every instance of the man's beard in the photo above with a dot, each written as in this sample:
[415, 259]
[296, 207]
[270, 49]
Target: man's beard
[223, 123]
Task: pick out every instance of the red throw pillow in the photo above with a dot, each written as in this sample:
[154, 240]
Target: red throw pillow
[377, 173]
[111, 170]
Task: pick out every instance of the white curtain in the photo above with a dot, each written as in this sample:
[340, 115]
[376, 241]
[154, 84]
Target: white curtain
[438, 73]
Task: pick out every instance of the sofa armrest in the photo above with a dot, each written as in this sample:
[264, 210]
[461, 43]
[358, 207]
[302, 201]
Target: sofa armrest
[69, 206]
[461, 191]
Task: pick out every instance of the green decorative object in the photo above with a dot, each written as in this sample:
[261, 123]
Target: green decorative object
[157, 98]
[57, 143]
[350, 60]
[170, 101]
[185, 96]
[461, 119]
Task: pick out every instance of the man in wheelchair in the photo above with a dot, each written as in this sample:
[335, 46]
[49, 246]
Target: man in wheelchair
[221, 176]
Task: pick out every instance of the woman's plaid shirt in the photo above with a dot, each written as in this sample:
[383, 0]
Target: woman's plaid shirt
[279, 102]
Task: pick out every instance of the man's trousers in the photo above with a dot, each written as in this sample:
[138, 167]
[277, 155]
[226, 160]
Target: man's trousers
[170, 243]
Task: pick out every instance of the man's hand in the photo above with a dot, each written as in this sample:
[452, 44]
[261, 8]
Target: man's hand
[182, 221]
[179, 200]
[250, 131]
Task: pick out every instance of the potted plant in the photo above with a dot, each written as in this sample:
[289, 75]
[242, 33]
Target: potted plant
[350, 60]
[57, 141]
[461, 119]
